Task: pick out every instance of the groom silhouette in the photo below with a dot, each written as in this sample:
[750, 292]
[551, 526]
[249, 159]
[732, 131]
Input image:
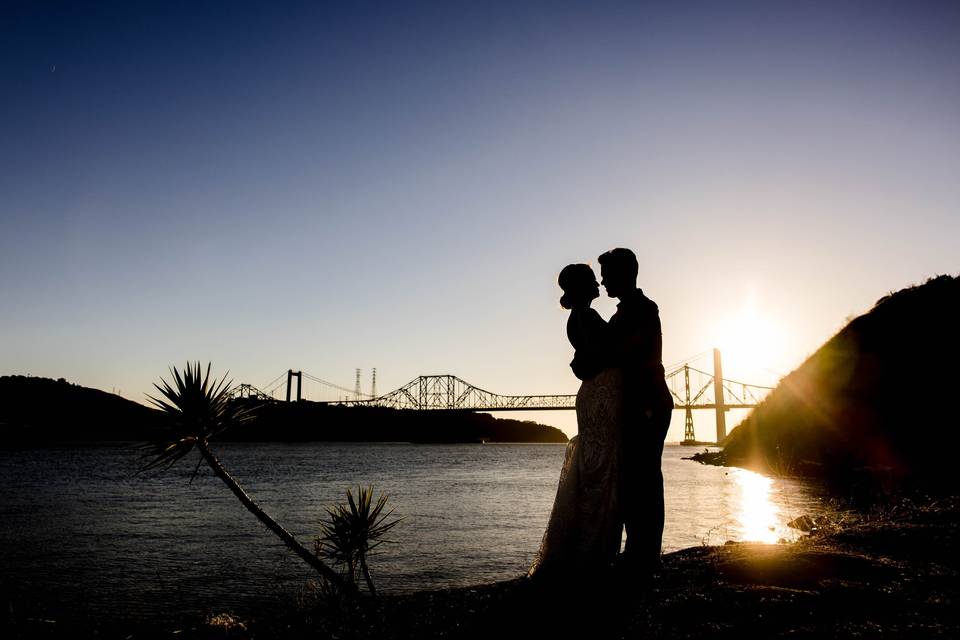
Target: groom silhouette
[637, 351]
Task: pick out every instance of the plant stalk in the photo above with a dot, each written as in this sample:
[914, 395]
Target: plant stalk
[270, 523]
[366, 574]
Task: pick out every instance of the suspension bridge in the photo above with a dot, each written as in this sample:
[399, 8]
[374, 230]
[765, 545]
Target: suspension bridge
[692, 389]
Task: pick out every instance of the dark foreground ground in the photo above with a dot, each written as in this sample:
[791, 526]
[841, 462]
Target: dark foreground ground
[888, 574]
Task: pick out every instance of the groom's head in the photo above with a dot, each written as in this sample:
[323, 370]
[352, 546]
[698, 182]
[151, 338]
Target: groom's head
[618, 272]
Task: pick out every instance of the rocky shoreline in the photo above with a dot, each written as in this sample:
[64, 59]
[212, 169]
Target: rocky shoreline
[889, 573]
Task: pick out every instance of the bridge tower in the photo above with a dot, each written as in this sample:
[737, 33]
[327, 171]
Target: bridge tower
[718, 397]
[689, 436]
[291, 374]
[373, 384]
[356, 387]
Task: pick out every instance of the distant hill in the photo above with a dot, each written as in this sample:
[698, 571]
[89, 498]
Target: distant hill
[44, 410]
[876, 399]
[41, 410]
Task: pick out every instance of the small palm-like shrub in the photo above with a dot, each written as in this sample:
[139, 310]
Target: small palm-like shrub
[354, 531]
[199, 407]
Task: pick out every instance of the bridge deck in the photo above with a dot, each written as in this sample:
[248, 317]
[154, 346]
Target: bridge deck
[552, 407]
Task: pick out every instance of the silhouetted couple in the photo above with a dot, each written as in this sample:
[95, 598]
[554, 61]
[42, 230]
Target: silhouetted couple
[611, 474]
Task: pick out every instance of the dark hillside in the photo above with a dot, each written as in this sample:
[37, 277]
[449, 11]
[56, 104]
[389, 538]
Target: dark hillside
[36, 410]
[41, 410]
[876, 401]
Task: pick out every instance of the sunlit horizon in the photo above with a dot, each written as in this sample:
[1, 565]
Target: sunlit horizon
[331, 187]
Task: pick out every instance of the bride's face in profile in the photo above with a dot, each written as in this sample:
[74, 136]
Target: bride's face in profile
[586, 291]
[592, 290]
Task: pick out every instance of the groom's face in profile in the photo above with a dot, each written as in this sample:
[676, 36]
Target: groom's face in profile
[609, 282]
[618, 279]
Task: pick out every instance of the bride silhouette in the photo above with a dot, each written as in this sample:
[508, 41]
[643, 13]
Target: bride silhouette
[583, 534]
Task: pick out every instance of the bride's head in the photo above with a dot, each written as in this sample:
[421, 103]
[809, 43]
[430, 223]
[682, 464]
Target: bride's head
[579, 285]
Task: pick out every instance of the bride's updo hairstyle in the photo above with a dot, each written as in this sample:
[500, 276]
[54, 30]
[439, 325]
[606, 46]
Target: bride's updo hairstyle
[575, 280]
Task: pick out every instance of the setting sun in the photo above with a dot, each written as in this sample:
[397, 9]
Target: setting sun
[751, 341]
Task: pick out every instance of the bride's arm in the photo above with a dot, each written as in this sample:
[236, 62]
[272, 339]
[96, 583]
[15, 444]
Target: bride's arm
[592, 340]
[595, 331]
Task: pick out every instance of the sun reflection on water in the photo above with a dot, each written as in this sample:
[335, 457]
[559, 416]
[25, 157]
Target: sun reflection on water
[757, 515]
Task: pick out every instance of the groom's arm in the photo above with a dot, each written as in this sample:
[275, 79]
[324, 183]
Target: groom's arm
[635, 339]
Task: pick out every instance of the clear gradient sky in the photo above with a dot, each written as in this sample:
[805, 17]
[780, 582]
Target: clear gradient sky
[325, 186]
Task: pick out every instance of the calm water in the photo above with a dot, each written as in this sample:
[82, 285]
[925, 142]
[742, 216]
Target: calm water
[81, 536]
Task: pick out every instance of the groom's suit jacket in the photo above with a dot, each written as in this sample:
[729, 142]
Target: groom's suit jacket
[638, 349]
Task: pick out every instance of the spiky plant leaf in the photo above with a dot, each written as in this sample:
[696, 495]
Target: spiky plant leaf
[197, 406]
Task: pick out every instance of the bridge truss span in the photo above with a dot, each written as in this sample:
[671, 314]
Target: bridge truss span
[448, 392]
[248, 391]
[691, 388]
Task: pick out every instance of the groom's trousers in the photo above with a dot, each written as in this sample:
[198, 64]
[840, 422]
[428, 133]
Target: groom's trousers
[641, 487]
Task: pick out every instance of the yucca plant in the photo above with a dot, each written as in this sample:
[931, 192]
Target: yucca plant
[198, 408]
[354, 531]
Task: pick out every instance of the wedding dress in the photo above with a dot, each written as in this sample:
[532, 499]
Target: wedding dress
[584, 530]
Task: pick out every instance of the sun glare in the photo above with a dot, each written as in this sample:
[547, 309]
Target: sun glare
[750, 341]
[758, 514]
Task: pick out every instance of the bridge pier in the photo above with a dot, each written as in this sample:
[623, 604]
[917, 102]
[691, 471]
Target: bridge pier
[718, 397]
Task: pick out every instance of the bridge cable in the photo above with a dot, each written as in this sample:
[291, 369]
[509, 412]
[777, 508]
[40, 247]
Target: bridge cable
[277, 379]
[688, 360]
[335, 386]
